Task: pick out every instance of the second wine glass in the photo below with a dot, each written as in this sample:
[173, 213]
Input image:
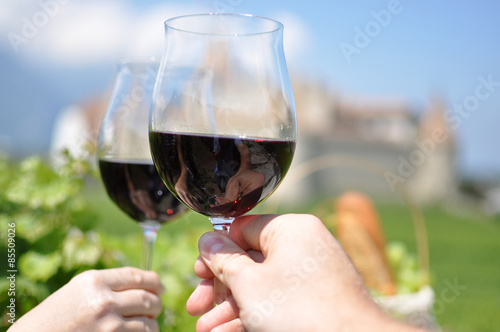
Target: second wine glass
[125, 163]
[223, 123]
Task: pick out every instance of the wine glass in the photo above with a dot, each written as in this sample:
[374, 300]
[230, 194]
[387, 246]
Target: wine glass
[223, 124]
[125, 163]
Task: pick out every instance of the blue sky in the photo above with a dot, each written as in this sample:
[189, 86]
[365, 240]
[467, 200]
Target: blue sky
[423, 47]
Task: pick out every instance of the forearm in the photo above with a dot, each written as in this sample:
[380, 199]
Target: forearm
[371, 318]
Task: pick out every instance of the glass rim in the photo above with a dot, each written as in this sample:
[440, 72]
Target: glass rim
[138, 60]
[134, 64]
[277, 25]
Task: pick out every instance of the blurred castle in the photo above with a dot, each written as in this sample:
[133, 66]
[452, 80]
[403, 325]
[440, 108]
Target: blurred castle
[369, 144]
[376, 145]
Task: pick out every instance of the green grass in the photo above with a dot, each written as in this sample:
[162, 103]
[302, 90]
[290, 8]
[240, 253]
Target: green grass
[464, 251]
[464, 262]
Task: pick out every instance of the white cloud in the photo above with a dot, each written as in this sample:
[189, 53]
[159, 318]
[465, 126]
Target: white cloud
[297, 36]
[85, 32]
[147, 37]
[80, 32]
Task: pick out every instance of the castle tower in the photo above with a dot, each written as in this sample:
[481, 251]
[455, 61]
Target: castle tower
[434, 157]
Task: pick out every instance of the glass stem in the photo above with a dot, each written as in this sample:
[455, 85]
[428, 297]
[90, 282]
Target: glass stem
[221, 292]
[149, 231]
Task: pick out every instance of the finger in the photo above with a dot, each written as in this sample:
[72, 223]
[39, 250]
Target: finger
[223, 257]
[201, 269]
[132, 278]
[248, 232]
[138, 302]
[201, 300]
[140, 324]
[245, 156]
[266, 232]
[232, 191]
[233, 326]
[223, 313]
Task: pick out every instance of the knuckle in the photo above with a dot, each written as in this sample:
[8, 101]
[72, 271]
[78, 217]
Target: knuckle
[150, 302]
[138, 277]
[103, 306]
[146, 300]
[314, 221]
[88, 278]
[301, 221]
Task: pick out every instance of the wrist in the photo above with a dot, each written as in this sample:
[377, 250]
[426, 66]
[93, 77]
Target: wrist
[360, 315]
[377, 320]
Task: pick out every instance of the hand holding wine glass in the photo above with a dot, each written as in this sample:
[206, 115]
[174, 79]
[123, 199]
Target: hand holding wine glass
[125, 163]
[119, 299]
[286, 273]
[223, 122]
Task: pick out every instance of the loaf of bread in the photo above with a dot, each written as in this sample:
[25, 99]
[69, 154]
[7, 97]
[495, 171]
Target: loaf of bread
[359, 231]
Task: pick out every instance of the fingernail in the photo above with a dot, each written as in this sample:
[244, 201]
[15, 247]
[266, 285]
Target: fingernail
[210, 244]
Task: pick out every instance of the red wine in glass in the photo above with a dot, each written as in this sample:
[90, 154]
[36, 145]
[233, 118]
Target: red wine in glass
[220, 176]
[137, 189]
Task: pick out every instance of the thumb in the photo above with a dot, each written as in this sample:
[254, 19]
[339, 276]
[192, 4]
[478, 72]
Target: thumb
[223, 257]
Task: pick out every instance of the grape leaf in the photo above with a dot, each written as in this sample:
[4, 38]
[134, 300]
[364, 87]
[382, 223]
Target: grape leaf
[40, 267]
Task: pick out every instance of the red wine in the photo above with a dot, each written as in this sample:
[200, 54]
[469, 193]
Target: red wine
[138, 190]
[220, 176]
